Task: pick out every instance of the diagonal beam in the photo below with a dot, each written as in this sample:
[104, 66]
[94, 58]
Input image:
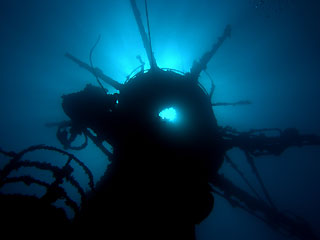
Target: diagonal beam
[96, 72]
[201, 65]
[243, 102]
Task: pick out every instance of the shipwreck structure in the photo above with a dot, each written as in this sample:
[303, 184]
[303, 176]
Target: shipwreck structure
[163, 174]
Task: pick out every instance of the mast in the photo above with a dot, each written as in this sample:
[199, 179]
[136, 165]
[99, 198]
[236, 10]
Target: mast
[145, 39]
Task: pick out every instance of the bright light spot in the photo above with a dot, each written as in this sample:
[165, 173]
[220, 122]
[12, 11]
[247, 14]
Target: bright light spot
[170, 57]
[168, 114]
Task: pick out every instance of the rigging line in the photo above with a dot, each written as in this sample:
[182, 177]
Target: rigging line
[8, 154]
[149, 35]
[235, 167]
[91, 64]
[273, 217]
[255, 171]
[236, 203]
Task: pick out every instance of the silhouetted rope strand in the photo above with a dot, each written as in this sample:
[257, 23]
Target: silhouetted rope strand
[49, 148]
[91, 64]
[212, 84]
[54, 169]
[234, 166]
[8, 154]
[255, 171]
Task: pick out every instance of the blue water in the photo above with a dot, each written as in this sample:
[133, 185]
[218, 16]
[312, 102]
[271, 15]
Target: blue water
[272, 59]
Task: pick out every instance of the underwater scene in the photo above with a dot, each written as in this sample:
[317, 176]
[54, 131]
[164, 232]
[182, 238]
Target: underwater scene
[161, 119]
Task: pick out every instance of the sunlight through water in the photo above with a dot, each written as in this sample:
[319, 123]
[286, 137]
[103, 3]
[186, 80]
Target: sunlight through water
[168, 114]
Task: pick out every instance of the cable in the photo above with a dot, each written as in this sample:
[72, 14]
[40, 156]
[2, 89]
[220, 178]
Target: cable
[234, 166]
[90, 58]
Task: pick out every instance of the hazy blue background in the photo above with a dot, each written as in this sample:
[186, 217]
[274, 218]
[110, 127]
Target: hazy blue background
[272, 59]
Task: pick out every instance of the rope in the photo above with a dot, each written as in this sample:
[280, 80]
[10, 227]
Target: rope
[91, 64]
[235, 167]
[212, 84]
[255, 171]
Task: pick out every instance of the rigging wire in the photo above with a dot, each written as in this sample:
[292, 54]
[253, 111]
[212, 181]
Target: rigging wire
[235, 167]
[255, 171]
[91, 64]
[212, 84]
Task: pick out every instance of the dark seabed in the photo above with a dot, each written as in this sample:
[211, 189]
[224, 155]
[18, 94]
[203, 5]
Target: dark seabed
[271, 59]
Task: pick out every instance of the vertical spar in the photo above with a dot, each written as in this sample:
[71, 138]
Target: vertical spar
[145, 39]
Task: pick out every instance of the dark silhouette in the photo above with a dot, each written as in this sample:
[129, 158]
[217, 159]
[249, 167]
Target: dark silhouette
[163, 174]
[160, 171]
